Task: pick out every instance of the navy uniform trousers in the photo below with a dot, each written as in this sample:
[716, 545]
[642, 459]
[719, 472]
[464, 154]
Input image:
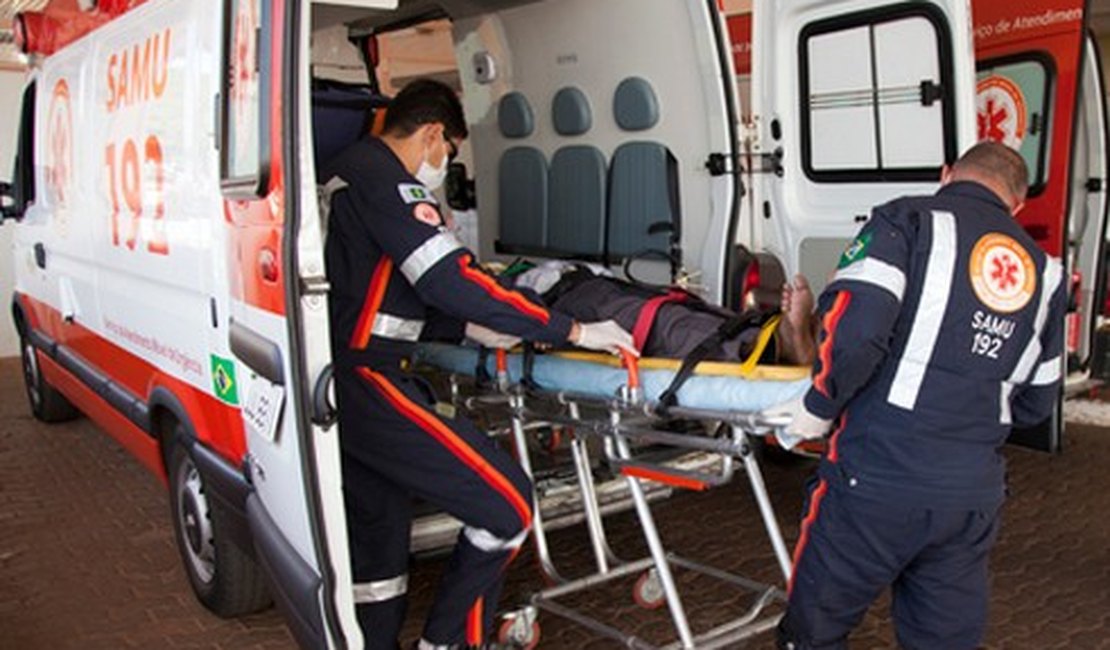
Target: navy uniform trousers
[852, 545]
[396, 447]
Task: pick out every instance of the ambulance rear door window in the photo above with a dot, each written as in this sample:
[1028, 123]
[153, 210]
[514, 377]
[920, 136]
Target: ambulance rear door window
[874, 94]
[1013, 105]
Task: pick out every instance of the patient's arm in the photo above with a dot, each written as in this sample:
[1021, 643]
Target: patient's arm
[798, 325]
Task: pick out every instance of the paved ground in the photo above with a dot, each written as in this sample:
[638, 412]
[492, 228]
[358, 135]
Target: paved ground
[87, 558]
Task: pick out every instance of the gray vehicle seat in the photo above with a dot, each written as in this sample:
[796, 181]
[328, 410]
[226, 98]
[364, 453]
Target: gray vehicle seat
[644, 208]
[522, 181]
[576, 203]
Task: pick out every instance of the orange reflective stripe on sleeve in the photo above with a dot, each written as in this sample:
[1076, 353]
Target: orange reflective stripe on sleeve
[513, 299]
[375, 292]
[824, 352]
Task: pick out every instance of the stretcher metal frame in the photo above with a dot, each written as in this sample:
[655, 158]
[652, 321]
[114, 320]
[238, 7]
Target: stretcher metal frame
[629, 419]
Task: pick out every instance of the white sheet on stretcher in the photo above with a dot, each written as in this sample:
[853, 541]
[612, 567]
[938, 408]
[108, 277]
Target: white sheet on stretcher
[555, 373]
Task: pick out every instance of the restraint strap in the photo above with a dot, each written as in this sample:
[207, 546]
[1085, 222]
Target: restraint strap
[646, 319]
[727, 331]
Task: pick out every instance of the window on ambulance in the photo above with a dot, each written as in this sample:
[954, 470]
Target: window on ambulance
[245, 99]
[22, 190]
[874, 96]
[1012, 102]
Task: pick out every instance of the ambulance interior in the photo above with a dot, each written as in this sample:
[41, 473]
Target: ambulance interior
[586, 143]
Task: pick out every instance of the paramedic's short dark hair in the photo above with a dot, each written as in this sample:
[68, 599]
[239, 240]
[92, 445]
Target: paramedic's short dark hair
[425, 101]
[999, 162]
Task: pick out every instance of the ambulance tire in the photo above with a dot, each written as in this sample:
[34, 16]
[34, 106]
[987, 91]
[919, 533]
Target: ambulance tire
[47, 404]
[224, 578]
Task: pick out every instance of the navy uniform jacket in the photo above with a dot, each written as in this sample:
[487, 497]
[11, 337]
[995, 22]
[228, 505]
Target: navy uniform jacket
[393, 266]
[942, 328]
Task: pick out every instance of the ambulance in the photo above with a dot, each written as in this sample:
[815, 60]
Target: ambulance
[168, 256]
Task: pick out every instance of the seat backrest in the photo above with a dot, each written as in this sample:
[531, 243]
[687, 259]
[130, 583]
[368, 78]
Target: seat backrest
[576, 206]
[342, 113]
[644, 207]
[522, 179]
[576, 202]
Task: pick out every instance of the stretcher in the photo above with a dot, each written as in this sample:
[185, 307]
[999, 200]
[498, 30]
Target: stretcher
[615, 403]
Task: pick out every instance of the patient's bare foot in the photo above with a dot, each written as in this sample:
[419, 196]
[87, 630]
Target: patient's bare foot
[797, 321]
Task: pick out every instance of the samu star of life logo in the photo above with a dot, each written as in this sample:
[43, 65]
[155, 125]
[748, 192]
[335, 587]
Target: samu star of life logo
[1001, 111]
[1003, 273]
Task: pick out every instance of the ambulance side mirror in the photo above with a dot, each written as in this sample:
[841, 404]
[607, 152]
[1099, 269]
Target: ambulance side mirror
[8, 207]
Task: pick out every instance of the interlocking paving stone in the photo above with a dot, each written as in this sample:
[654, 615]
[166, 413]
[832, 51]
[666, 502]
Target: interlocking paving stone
[87, 558]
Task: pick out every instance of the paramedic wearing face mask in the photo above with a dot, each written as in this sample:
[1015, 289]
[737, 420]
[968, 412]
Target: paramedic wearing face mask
[942, 329]
[393, 266]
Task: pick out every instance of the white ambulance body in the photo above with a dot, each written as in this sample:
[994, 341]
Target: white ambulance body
[170, 280]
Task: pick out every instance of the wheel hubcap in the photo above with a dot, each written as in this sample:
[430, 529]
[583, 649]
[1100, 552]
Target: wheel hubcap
[196, 522]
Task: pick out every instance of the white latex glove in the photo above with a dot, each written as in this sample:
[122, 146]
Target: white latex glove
[800, 423]
[489, 338]
[605, 336]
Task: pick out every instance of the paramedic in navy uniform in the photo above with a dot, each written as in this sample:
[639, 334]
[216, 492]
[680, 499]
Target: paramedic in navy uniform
[941, 330]
[393, 266]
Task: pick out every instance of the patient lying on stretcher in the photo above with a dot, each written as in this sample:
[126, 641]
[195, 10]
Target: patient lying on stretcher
[674, 324]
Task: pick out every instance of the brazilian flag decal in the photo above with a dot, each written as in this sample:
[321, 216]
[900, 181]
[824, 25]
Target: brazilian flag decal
[223, 380]
[856, 251]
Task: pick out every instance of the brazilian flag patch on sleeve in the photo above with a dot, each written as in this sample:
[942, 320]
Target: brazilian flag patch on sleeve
[856, 251]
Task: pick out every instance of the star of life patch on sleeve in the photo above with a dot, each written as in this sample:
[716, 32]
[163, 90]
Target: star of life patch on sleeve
[427, 213]
[415, 193]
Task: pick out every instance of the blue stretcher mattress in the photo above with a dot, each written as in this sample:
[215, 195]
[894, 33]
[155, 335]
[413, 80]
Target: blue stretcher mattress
[562, 373]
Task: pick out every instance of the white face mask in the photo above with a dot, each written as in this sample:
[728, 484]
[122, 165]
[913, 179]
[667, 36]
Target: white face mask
[432, 177]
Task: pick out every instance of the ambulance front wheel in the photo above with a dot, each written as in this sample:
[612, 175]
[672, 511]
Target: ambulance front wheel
[47, 404]
[225, 579]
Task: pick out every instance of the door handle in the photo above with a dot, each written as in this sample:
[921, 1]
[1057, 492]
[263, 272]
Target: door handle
[40, 255]
[259, 353]
[323, 398]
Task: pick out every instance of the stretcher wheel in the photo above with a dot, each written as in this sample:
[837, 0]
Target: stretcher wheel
[648, 592]
[517, 633]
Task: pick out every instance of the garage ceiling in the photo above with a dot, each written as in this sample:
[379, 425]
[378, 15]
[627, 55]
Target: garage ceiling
[1100, 22]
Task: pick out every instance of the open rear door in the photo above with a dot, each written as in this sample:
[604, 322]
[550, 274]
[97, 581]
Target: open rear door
[1093, 118]
[1030, 60]
[852, 107]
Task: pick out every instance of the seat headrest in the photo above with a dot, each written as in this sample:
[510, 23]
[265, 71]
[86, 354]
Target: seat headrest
[514, 116]
[635, 106]
[570, 111]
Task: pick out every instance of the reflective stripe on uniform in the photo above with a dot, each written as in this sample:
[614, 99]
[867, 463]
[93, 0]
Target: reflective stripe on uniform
[1006, 389]
[1052, 274]
[1048, 372]
[428, 254]
[876, 272]
[483, 540]
[324, 194]
[927, 321]
[394, 327]
[381, 590]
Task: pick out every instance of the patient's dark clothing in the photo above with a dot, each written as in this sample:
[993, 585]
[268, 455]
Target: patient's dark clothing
[677, 330]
